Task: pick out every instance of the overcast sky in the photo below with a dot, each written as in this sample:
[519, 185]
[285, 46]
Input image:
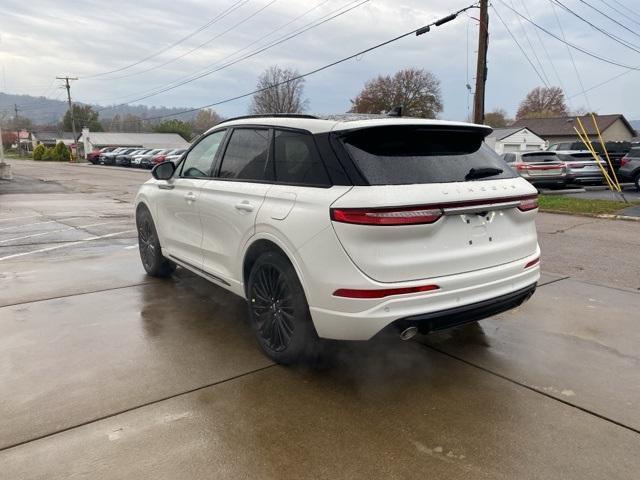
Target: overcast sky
[41, 39]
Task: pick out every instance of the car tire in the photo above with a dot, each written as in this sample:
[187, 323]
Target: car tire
[279, 311]
[149, 246]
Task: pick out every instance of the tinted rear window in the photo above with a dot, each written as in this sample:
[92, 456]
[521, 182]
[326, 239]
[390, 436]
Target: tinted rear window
[297, 160]
[540, 157]
[410, 155]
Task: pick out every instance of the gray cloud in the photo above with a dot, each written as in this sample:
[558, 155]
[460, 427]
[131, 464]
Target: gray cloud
[41, 39]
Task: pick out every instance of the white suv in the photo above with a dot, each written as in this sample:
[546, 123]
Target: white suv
[337, 229]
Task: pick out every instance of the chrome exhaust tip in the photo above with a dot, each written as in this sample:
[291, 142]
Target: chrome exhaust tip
[408, 333]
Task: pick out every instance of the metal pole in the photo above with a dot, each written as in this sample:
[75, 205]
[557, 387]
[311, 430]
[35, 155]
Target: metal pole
[481, 69]
[73, 121]
[15, 108]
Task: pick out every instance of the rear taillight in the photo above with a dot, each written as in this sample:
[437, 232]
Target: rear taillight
[522, 166]
[624, 161]
[386, 216]
[532, 263]
[381, 293]
[528, 204]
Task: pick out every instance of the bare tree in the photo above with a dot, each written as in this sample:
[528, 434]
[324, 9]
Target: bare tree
[205, 119]
[416, 91]
[279, 92]
[543, 102]
[497, 118]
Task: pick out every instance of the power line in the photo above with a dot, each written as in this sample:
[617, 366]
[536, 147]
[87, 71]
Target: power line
[144, 92]
[533, 50]
[189, 52]
[573, 61]
[214, 20]
[624, 7]
[544, 47]
[598, 85]
[619, 40]
[252, 54]
[518, 44]
[417, 31]
[610, 18]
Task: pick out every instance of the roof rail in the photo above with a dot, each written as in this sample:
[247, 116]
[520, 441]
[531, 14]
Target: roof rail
[271, 115]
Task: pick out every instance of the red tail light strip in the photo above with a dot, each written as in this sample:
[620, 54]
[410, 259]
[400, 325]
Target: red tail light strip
[387, 292]
[426, 214]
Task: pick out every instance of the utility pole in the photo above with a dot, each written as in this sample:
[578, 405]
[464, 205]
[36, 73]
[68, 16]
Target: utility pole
[15, 108]
[481, 70]
[73, 121]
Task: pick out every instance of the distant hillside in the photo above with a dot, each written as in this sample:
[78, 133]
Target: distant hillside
[46, 111]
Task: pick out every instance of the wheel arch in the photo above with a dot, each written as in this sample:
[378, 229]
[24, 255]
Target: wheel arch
[263, 245]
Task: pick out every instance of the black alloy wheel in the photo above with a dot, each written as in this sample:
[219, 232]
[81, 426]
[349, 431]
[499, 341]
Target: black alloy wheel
[272, 305]
[149, 246]
[279, 311]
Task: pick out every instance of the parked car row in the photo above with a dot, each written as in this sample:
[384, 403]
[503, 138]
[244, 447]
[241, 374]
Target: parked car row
[135, 156]
[556, 167]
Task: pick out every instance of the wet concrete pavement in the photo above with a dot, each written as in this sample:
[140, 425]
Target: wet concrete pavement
[106, 373]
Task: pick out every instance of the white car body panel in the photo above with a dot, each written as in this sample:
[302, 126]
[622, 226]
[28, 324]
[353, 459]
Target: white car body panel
[208, 225]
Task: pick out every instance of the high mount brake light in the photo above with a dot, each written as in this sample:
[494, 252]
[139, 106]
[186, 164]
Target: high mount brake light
[528, 204]
[381, 293]
[387, 216]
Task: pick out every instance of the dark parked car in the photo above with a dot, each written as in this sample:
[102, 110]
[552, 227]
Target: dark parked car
[616, 150]
[146, 161]
[630, 169]
[109, 158]
[124, 160]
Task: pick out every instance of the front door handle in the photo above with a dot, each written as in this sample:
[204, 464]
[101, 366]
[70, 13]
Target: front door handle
[244, 206]
[190, 197]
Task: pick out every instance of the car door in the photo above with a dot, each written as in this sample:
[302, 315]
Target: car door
[230, 202]
[179, 224]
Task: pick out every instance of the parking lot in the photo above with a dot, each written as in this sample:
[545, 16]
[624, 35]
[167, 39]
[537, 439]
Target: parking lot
[108, 373]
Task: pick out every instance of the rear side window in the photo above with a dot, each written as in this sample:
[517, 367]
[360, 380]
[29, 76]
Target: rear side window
[246, 154]
[413, 154]
[296, 160]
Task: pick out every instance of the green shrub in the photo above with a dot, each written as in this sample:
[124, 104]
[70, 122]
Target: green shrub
[48, 154]
[61, 153]
[39, 151]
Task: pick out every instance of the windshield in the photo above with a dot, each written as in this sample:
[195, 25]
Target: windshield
[416, 154]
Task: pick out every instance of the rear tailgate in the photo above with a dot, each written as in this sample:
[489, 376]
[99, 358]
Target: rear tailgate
[481, 227]
[541, 164]
[438, 203]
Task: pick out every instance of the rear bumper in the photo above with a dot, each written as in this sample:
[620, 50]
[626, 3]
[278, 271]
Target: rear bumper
[429, 322]
[462, 298]
[585, 177]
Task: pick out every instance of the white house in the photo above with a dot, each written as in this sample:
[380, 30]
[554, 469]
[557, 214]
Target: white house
[515, 139]
[92, 140]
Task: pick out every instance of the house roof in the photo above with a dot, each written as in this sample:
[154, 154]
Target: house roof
[151, 140]
[502, 133]
[52, 136]
[563, 126]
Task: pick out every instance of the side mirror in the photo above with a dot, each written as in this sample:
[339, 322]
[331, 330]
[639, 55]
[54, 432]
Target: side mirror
[163, 171]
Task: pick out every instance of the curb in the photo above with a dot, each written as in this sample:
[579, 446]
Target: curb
[606, 216]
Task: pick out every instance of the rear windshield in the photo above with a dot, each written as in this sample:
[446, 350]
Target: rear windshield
[412, 154]
[539, 157]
